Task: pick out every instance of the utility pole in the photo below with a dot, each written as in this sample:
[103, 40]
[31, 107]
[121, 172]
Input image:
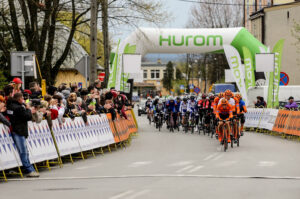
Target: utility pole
[93, 41]
[104, 11]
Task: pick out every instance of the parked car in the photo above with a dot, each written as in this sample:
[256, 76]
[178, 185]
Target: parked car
[141, 107]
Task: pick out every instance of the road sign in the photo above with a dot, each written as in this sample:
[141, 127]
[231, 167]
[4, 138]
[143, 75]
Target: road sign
[191, 86]
[79, 85]
[101, 76]
[197, 90]
[284, 79]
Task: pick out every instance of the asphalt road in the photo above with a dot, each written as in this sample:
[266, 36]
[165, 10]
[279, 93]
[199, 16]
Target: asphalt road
[159, 165]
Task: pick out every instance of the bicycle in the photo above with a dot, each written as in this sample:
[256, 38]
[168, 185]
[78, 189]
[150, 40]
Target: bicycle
[185, 123]
[171, 122]
[236, 130]
[225, 130]
[192, 122]
[149, 116]
[159, 121]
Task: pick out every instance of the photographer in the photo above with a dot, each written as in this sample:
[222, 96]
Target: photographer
[19, 114]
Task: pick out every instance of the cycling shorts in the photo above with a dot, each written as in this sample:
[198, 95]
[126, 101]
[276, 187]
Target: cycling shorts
[224, 116]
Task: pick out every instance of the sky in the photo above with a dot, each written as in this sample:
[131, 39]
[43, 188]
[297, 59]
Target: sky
[179, 11]
[180, 15]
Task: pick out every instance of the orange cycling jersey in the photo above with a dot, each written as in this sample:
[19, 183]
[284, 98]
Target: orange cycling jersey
[236, 109]
[216, 102]
[224, 113]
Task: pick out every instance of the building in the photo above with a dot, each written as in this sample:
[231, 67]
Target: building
[153, 73]
[273, 23]
[252, 6]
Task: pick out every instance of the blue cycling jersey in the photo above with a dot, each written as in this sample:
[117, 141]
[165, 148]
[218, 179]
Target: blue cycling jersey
[170, 106]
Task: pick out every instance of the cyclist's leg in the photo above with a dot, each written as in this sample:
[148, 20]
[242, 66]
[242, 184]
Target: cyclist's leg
[243, 119]
[220, 128]
[229, 131]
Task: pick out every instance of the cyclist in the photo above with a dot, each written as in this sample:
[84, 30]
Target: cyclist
[217, 99]
[192, 108]
[155, 102]
[224, 112]
[177, 107]
[201, 105]
[183, 108]
[170, 108]
[243, 109]
[148, 105]
[160, 109]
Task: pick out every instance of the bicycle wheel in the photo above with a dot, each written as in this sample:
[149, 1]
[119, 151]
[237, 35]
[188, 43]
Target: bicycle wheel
[238, 134]
[225, 141]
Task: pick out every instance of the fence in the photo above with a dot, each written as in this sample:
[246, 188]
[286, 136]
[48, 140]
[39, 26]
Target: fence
[72, 137]
[281, 121]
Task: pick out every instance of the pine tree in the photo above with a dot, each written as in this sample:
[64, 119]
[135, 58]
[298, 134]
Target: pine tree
[169, 76]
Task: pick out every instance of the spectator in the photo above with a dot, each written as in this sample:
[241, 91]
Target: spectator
[291, 104]
[19, 114]
[260, 103]
[17, 83]
[97, 85]
[36, 91]
[3, 119]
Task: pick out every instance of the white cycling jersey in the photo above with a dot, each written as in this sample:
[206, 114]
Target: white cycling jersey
[231, 101]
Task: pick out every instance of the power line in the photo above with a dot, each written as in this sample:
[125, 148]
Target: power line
[223, 4]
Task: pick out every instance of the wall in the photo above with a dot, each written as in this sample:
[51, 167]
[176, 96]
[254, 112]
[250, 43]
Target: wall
[69, 77]
[279, 26]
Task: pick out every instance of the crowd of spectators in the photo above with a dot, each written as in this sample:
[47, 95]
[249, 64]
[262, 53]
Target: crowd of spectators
[18, 106]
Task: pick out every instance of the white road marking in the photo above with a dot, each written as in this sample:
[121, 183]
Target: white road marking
[179, 164]
[210, 156]
[121, 195]
[138, 164]
[266, 164]
[184, 169]
[195, 169]
[217, 157]
[88, 167]
[138, 194]
[227, 163]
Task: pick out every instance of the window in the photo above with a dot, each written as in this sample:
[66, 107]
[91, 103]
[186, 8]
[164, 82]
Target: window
[152, 74]
[165, 73]
[145, 74]
[155, 74]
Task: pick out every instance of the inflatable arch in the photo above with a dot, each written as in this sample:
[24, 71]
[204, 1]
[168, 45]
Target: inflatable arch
[154, 40]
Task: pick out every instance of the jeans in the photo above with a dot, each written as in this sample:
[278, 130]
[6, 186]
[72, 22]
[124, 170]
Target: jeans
[20, 142]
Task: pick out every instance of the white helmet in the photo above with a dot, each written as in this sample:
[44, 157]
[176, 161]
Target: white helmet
[148, 98]
[156, 97]
[160, 101]
[171, 98]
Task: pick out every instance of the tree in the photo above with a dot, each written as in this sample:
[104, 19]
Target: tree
[168, 77]
[32, 26]
[214, 14]
[178, 74]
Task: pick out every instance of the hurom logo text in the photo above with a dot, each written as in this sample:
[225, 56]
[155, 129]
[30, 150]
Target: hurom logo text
[196, 40]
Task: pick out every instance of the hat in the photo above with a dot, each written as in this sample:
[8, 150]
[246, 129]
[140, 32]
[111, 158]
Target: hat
[291, 97]
[66, 93]
[17, 80]
[28, 91]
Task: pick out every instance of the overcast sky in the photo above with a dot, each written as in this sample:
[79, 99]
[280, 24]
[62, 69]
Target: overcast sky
[180, 14]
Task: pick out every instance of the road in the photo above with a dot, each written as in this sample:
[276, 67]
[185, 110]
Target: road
[162, 165]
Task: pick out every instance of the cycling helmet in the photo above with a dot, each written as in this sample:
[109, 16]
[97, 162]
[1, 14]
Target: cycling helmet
[203, 96]
[148, 98]
[171, 98]
[156, 97]
[238, 96]
[160, 101]
[210, 94]
[221, 95]
[228, 93]
[192, 97]
[224, 101]
[178, 98]
[211, 97]
[185, 99]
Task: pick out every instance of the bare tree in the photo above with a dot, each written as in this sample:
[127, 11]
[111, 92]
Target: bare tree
[215, 14]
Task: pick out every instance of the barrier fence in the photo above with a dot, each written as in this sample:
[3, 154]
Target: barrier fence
[280, 121]
[71, 137]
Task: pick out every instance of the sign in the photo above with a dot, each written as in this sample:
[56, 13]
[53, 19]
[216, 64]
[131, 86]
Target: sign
[197, 90]
[284, 79]
[101, 76]
[264, 62]
[191, 86]
[229, 78]
[79, 85]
